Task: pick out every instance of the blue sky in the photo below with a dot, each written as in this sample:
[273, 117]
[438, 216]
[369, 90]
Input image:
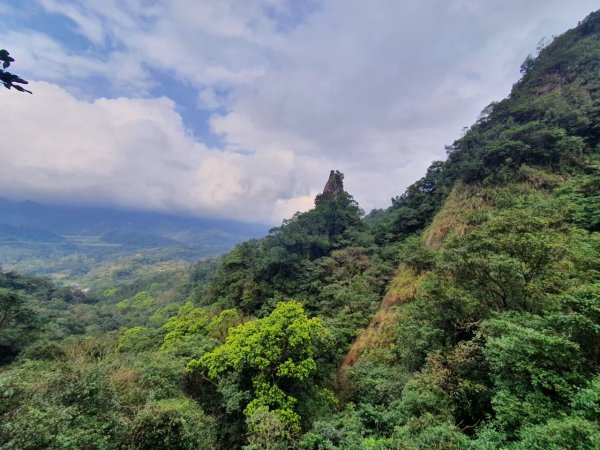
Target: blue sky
[239, 109]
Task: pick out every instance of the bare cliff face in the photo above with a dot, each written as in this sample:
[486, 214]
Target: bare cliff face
[334, 186]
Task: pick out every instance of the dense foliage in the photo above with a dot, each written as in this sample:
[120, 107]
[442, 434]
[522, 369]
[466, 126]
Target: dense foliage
[465, 316]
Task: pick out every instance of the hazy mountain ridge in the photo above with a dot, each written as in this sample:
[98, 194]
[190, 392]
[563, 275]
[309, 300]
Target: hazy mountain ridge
[24, 233]
[53, 240]
[85, 220]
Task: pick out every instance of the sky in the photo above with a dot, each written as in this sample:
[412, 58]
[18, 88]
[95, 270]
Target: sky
[238, 109]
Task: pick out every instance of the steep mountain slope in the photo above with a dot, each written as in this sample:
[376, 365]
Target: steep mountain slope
[544, 136]
[489, 329]
[498, 254]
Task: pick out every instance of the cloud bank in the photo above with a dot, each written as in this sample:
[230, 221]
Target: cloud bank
[280, 95]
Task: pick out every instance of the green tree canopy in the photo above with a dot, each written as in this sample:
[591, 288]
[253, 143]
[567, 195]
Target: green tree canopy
[266, 364]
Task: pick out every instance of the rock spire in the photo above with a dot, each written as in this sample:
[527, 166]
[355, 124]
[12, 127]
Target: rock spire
[334, 186]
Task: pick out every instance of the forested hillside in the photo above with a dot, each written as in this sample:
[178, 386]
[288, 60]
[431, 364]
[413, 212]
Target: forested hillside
[464, 316]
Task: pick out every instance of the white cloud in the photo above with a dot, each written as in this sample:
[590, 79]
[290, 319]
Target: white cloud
[44, 58]
[132, 153]
[375, 89]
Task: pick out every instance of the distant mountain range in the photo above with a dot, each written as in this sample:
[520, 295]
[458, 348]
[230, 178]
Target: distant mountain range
[79, 220]
[35, 237]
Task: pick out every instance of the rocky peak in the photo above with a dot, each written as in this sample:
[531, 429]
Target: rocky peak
[334, 186]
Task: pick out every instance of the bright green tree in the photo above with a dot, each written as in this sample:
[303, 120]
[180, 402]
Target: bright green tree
[266, 364]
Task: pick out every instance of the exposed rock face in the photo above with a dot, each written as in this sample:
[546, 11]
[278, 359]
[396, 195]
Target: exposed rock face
[334, 186]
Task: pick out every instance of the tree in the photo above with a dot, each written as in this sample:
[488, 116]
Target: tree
[535, 370]
[172, 424]
[17, 324]
[266, 366]
[7, 78]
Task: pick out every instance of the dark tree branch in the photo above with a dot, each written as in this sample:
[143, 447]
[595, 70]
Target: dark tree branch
[10, 80]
